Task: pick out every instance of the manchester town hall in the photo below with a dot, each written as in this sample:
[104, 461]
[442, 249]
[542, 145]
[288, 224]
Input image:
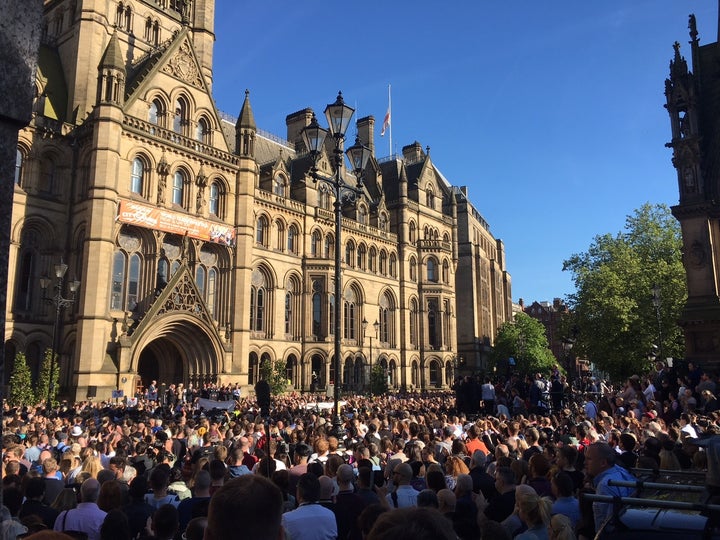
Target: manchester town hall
[194, 247]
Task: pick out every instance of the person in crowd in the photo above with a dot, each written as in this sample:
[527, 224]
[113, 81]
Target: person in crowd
[87, 517]
[404, 495]
[310, 521]
[600, 464]
[34, 505]
[250, 504]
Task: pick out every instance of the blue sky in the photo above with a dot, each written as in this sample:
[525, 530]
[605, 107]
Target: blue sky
[550, 112]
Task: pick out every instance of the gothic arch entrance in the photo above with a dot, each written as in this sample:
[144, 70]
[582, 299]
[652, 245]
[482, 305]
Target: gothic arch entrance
[176, 349]
[161, 361]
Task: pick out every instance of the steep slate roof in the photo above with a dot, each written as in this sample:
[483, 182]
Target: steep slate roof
[112, 57]
[138, 72]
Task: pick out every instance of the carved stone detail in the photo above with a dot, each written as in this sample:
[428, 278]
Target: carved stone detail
[183, 66]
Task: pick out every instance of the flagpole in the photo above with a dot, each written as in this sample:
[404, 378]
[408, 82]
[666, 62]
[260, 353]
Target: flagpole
[390, 111]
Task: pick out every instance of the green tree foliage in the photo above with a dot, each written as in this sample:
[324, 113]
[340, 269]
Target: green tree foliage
[44, 377]
[378, 380]
[274, 374]
[21, 390]
[612, 308]
[523, 340]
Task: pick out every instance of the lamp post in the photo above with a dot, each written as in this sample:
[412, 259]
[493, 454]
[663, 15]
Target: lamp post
[656, 302]
[60, 303]
[376, 325]
[567, 345]
[338, 115]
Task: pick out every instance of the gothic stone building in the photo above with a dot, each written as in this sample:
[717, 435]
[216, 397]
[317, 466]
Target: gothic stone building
[693, 102]
[203, 247]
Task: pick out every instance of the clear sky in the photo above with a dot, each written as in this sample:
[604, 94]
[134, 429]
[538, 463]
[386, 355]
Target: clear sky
[550, 112]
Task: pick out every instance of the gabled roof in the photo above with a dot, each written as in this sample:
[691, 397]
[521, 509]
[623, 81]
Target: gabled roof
[176, 58]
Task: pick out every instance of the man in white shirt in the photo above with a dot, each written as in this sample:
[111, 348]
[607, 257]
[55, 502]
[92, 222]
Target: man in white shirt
[404, 495]
[310, 520]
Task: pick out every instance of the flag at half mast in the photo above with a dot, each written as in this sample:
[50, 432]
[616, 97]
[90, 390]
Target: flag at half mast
[386, 123]
[386, 120]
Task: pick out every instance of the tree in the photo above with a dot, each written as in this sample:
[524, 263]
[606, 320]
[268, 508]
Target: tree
[274, 373]
[524, 341]
[44, 378]
[378, 380]
[21, 390]
[612, 307]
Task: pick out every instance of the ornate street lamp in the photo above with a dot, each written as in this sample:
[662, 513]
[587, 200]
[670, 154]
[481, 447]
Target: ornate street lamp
[60, 303]
[567, 345]
[376, 325]
[338, 115]
[657, 303]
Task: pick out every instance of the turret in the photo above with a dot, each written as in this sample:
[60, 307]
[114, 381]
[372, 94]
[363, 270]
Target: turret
[245, 130]
[111, 78]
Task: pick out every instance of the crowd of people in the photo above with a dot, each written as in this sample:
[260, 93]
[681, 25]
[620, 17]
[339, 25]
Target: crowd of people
[495, 461]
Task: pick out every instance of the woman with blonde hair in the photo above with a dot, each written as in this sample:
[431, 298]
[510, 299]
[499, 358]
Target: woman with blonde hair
[92, 465]
[560, 528]
[534, 511]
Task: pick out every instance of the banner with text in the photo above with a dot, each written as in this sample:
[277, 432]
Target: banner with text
[161, 219]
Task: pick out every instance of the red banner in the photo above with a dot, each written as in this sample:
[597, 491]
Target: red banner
[161, 219]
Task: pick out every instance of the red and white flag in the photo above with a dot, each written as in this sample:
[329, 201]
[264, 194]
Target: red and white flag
[386, 123]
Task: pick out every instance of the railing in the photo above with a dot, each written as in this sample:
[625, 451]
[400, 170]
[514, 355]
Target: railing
[433, 245]
[147, 128]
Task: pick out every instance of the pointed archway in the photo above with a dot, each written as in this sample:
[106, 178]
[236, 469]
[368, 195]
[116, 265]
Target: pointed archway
[162, 361]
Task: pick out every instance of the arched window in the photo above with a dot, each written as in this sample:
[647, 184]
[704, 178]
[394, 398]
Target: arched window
[446, 272]
[430, 198]
[202, 131]
[412, 232]
[214, 201]
[27, 277]
[331, 309]
[137, 176]
[372, 260]
[211, 295]
[433, 324]
[317, 314]
[316, 244]
[156, 112]
[329, 247]
[413, 269]
[431, 270]
[178, 188]
[156, 33]
[383, 263]
[261, 231]
[413, 322]
[393, 265]
[280, 227]
[127, 21]
[19, 162]
[125, 279]
[292, 309]
[361, 253]
[120, 15]
[258, 302]
[180, 119]
[323, 198]
[279, 185]
[387, 319]
[349, 314]
[415, 374]
[350, 253]
[148, 29]
[200, 275]
[47, 176]
[292, 239]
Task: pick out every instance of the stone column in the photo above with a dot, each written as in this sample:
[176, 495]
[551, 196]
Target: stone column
[20, 27]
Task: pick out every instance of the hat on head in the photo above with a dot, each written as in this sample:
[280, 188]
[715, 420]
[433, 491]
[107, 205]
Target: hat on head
[76, 431]
[650, 414]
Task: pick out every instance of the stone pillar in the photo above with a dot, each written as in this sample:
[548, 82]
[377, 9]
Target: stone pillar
[20, 27]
